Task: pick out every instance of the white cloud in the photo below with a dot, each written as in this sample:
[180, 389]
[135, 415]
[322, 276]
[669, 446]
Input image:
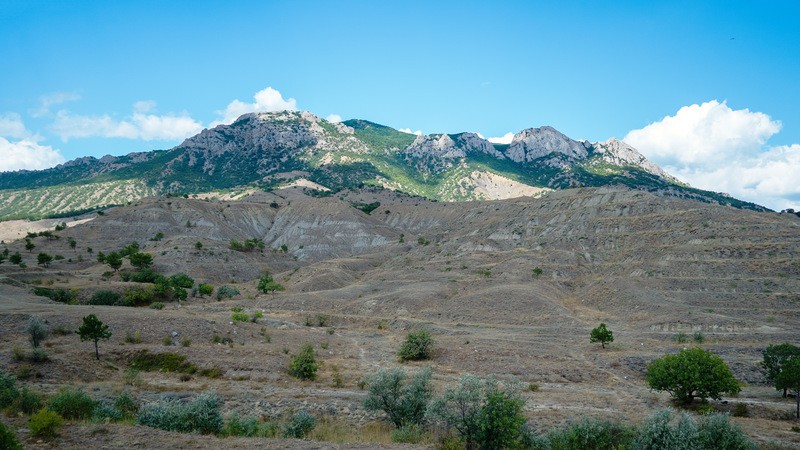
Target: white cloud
[408, 130]
[268, 99]
[27, 154]
[334, 118]
[713, 147]
[56, 98]
[140, 125]
[504, 139]
[11, 126]
[709, 133]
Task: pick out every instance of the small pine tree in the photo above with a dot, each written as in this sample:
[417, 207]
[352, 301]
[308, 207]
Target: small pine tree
[114, 260]
[417, 346]
[93, 329]
[304, 365]
[43, 259]
[602, 335]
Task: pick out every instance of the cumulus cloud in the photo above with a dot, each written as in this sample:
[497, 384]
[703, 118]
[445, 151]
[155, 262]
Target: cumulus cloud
[504, 139]
[27, 154]
[334, 118]
[140, 125]
[408, 130]
[268, 99]
[713, 147]
[50, 100]
[709, 133]
[11, 126]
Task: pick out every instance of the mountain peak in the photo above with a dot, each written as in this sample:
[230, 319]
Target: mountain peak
[534, 143]
[620, 153]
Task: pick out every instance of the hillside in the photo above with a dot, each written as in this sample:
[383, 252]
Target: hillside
[269, 150]
[652, 267]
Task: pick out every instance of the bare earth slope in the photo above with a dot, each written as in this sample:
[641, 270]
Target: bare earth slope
[650, 267]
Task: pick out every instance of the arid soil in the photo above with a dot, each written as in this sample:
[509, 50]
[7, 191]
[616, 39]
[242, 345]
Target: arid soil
[649, 267]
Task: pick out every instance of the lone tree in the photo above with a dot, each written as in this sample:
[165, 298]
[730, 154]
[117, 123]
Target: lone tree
[775, 358]
[790, 379]
[403, 402]
[691, 373]
[93, 330]
[602, 335]
[29, 246]
[114, 260]
[44, 259]
[36, 331]
[267, 285]
[304, 365]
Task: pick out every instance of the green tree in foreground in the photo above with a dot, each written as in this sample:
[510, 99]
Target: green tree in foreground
[93, 329]
[304, 364]
[789, 378]
[404, 403]
[691, 373]
[602, 335]
[775, 357]
[417, 346]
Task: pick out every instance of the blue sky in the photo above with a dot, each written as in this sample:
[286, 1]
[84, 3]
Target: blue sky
[708, 89]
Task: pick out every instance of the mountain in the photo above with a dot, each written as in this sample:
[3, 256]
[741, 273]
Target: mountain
[267, 150]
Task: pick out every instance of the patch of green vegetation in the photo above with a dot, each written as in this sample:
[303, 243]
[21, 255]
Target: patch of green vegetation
[164, 362]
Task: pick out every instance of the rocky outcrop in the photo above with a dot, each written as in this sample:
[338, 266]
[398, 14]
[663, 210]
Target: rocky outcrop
[535, 143]
[616, 152]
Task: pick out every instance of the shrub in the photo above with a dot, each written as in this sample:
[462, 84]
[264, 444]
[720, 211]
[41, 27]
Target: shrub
[126, 404]
[133, 338]
[592, 434]
[602, 335]
[157, 305]
[300, 424]
[417, 346]
[45, 423]
[200, 415]
[18, 354]
[692, 373]
[8, 389]
[408, 434]
[304, 364]
[739, 410]
[680, 338]
[137, 297]
[257, 315]
[205, 289]
[212, 372]
[8, 439]
[181, 280]
[240, 317]
[37, 332]
[267, 285]
[659, 431]
[699, 337]
[236, 426]
[164, 362]
[404, 403]
[38, 355]
[108, 298]
[226, 291]
[106, 412]
[24, 371]
[27, 402]
[717, 431]
[72, 403]
[185, 342]
[145, 276]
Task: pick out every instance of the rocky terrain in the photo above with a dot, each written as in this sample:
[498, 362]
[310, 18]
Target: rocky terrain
[506, 287]
[273, 150]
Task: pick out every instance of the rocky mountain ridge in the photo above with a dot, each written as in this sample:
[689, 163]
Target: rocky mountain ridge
[267, 150]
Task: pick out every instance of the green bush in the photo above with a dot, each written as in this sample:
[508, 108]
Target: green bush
[240, 317]
[304, 364]
[205, 289]
[8, 439]
[45, 423]
[71, 403]
[37, 332]
[592, 434]
[716, 431]
[27, 402]
[145, 275]
[108, 298]
[164, 362]
[126, 404]
[236, 426]
[157, 305]
[300, 424]
[8, 389]
[137, 297]
[404, 403]
[200, 415]
[226, 291]
[106, 412]
[417, 346]
[181, 280]
[38, 355]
